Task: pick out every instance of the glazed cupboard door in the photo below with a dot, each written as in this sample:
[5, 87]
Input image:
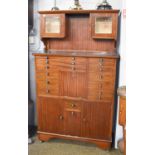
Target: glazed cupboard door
[50, 114]
[53, 25]
[97, 120]
[104, 26]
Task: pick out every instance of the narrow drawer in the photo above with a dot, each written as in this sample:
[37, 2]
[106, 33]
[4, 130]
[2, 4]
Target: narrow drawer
[100, 77]
[72, 105]
[101, 64]
[98, 97]
[47, 75]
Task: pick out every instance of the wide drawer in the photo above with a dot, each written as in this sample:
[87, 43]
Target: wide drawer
[64, 60]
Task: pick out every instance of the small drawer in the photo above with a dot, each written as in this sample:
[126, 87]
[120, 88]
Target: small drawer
[70, 104]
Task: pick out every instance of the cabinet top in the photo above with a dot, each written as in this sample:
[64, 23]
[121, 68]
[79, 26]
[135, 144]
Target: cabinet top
[79, 54]
[77, 11]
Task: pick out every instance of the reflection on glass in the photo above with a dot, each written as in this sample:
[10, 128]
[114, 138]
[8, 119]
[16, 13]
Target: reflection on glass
[103, 25]
[52, 25]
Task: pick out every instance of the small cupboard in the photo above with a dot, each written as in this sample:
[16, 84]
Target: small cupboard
[104, 26]
[53, 25]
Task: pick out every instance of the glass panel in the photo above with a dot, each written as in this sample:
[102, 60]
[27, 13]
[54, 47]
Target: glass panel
[103, 25]
[52, 25]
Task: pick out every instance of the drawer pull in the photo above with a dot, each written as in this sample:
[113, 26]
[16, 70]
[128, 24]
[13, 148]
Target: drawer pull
[73, 105]
[101, 69]
[47, 61]
[73, 58]
[101, 77]
[101, 86]
[73, 68]
[100, 95]
[47, 67]
[47, 91]
[61, 117]
[47, 82]
[72, 113]
[73, 63]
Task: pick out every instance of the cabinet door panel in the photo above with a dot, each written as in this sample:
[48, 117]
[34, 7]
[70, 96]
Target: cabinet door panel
[72, 122]
[51, 118]
[73, 84]
[97, 120]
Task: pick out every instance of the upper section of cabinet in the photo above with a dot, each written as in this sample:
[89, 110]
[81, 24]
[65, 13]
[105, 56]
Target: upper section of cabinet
[103, 23]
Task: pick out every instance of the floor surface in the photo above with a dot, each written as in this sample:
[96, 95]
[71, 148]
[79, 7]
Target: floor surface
[67, 147]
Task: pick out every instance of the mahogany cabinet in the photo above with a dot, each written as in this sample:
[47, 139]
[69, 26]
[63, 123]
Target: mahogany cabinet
[76, 78]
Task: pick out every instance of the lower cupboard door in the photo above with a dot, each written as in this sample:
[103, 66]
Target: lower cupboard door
[50, 114]
[72, 124]
[97, 120]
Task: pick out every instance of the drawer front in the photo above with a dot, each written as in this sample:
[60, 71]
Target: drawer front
[63, 60]
[61, 63]
[68, 60]
[101, 79]
[101, 65]
[107, 97]
[52, 88]
[72, 105]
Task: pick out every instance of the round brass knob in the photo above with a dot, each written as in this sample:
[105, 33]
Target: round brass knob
[73, 68]
[73, 105]
[61, 117]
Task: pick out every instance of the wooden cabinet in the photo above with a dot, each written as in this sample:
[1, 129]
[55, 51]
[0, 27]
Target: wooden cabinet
[104, 25]
[76, 77]
[122, 111]
[53, 25]
[122, 116]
